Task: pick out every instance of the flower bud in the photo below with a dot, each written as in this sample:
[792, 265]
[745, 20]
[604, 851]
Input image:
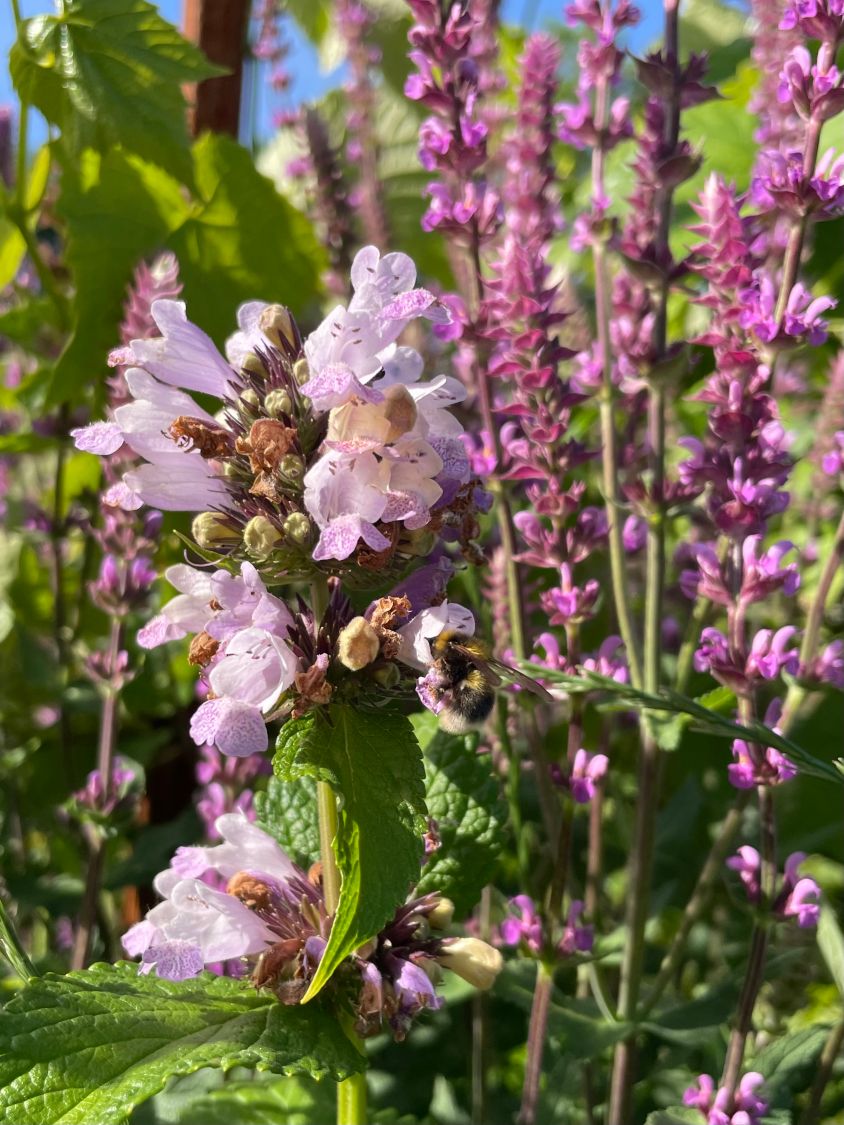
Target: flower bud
[291, 466]
[279, 327]
[301, 371]
[278, 402]
[358, 644]
[252, 364]
[260, 537]
[441, 916]
[297, 527]
[473, 960]
[211, 533]
[250, 398]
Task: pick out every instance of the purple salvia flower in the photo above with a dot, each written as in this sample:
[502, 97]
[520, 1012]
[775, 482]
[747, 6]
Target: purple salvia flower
[722, 1107]
[524, 926]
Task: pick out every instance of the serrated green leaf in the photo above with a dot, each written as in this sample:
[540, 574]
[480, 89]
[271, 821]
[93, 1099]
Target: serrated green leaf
[288, 811]
[89, 1046]
[464, 798]
[373, 761]
[285, 1101]
[831, 944]
[109, 74]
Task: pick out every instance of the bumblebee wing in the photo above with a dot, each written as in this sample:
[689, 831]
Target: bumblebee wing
[497, 671]
[485, 664]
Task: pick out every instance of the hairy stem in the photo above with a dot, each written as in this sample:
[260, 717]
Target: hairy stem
[105, 757]
[536, 1043]
[747, 1002]
[351, 1101]
[480, 1024]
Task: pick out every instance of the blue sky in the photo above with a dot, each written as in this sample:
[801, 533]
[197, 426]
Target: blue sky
[308, 81]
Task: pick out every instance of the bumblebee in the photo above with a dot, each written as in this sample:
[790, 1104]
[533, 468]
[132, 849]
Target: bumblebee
[468, 676]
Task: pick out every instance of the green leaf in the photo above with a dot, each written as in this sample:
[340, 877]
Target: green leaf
[694, 1021]
[831, 944]
[38, 178]
[11, 947]
[241, 241]
[788, 1061]
[674, 1115]
[464, 798]
[702, 717]
[89, 1046]
[12, 250]
[288, 811]
[117, 210]
[285, 1101]
[109, 74]
[576, 1024]
[373, 761]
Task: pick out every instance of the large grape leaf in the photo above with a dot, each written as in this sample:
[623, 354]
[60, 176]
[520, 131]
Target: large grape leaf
[117, 209]
[464, 798]
[111, 73]
[89, 1046]
[373, 761]
[288, 811]
[241, 241]
[237, 239]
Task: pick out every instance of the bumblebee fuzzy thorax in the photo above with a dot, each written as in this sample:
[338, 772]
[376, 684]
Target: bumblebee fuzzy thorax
[468, 693]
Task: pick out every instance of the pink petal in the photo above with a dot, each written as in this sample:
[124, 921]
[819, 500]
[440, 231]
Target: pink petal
[101, 438]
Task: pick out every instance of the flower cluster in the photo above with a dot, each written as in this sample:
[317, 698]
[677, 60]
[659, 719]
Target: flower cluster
[525, 927]
[369, 445]
[453, 140]
[719, 1107]
[268, 914]
[797, 897]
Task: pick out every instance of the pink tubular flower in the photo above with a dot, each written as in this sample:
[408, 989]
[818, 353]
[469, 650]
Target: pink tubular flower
[799, 897]
[576, 938]
[527, 927]
[196, 925]
[747, 1107]
[586, 770]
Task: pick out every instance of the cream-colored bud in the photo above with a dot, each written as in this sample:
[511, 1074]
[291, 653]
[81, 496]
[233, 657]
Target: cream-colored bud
[441, 916]
[301, 371]
[261, 537]
[250, 398]
[291, 466]
[210, 533]
[358, 644]
[253, 365]
[473, 960]
[277, 403]
[278, 326]
[297, 527]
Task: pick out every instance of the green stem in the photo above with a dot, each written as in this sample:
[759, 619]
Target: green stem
[351, 1101]
[16, 12]
[536, 1042]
